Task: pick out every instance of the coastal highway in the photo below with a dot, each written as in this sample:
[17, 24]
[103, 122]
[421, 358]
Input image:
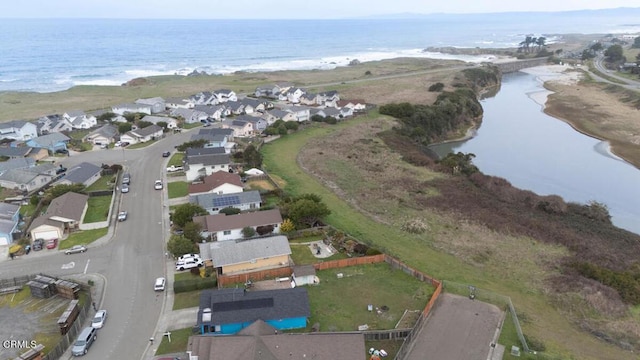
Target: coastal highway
[619, 80]
[130, 261]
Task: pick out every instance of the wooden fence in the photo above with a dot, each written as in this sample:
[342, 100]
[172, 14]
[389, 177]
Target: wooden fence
[332, 264]
[259, 275]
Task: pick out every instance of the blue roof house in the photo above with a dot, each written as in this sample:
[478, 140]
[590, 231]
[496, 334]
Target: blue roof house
[227, 311]
[52, 142]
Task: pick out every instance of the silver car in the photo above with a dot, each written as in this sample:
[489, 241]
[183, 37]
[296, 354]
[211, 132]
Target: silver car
[75, 249]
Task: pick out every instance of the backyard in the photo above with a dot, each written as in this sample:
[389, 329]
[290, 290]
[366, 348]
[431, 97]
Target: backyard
[97, 209]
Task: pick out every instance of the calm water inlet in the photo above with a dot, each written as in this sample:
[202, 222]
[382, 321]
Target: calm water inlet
[519, 142]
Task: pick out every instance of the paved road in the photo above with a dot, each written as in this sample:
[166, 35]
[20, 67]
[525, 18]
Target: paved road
[130, 261]
[622, 81]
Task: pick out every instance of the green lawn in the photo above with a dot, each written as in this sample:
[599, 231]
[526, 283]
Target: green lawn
[78, 134]
[191, 126]
[302, 255]
[178, 344]
[104, 183]
[98, 209]
[140, 145]
[186, 300]
[177, 189]
[82, 237]
[340, 304]
[176, 159]
[27, 210]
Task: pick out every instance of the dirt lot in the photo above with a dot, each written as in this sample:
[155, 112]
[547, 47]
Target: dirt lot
[459, 328]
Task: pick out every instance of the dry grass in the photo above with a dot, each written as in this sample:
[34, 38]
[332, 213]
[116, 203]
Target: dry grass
[260, 185]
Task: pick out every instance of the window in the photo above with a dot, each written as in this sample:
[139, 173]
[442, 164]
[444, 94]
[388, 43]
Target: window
[227, 232]
[252, 206]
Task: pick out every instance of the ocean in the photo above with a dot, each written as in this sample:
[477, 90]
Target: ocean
[46, 55]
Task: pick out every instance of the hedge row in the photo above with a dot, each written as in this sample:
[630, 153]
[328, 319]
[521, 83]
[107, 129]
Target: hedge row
[194, 284]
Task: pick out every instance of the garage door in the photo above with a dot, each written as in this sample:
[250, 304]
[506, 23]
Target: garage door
[51, 234]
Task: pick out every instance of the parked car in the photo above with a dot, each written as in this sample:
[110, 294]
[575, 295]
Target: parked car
[99, 319]
[84, 341]
[159, 284]
[158, 185]
[122, 216]
[166, 154]
[126, 179]
[189, 264]
[75, 249]
[37, 245]
[189, 256]
[62, 151]
[52, 243]
[174, 168]
[125, 188]
[118, 144]
[61, 170]
[124, 143]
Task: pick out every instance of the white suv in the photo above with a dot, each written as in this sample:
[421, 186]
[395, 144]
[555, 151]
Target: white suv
[189, 256]
[189, 264]
[158, 185]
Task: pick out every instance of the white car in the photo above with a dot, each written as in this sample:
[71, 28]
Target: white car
[174, 168]
[189, 264]
[158, 185]
[159, 284]
[122, 215]
[99, 319]
[189, 256]
[125, 188]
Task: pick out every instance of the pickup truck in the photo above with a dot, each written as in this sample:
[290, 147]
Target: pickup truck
[174, 168]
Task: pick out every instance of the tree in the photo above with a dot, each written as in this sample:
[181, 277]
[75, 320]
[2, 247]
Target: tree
[596, 47]
[163, 124]
[264, 230]
[143, 124]
[306, 212]
[317, 118]
[230, 210]
[460, 163]
[636, 43]
[287, 226]
[291, 125]
[196, 144]
[541, 42]
[124, 127]
[106, 116]
[60, 190]
[191, 231]
[248, 232]
[179, 245]
[252, 157]
[184, 213]
[614, 53]
[282, 130]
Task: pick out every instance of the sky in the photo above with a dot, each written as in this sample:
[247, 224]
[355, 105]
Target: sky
[282, 9]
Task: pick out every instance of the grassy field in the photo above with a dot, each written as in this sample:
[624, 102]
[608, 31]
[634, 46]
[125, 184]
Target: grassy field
[104, 183]
[176, 159]
[178, 344]
[98, 209]
[177, 189]
[504, 264]
[82, 237]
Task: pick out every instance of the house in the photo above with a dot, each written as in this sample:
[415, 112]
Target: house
[222, 227]
[310, 99]
[304, 275]
[149, 133]
[52, 142]
[216, 138]
[157, 104]
[84, 173]
[203, 98]
[14, 152]
[358, 105]
[227, 311]
[28, 179]
[18, 130]
[53, 123]
[9, 219]
[16, 163]
[329, 98]
[203, 165]
[64, 214]
[213, 203]
[203, 151]
[232, 257]
[326, 112]
[80, 120]
[224, 95]
[253, 105]
[235, 107]
[259, 124]
[292, 95]
[190, 116]
[277, 114]
[171, 122]
[262, 341]
[301, 113]
[214, 112]
[240, 128]
[179, 103]
[125, 108]
[104, 135]
[220, 182]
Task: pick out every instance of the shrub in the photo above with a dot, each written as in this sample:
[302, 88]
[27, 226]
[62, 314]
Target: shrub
[414, 226]
[248, 232]
[187, 285]
[436, 87]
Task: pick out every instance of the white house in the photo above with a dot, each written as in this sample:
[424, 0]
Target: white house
[53, 123]
[172, 123]
[220, 182]
[204, 165]
[125, 108]
[215, 112]
[28, 179]
[190, 116]
[292, 95]
[80, 120]
[145, 134]
[276, 114]
[157, 104]
[213, 203]
[224, 95]
[301, 113]
[240, 128]
[222, 227]
[179, 103]
[103, 135]
[18, 130]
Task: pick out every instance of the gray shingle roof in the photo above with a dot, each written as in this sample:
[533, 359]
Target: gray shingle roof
[70, 205]
[212, 159]
[8, 211]
[50, 140]
[233, 199]
[226, 253]
[151, 129]
[18, 163]
[230, 306]
[221, 222]
[12, 124]
[81, 172]
[204, 151]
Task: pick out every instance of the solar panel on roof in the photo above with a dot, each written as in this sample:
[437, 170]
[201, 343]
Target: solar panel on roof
[243, 304]
[226, 201]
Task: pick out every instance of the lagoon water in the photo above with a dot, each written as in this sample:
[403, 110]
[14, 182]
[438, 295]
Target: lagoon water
[519, 142]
